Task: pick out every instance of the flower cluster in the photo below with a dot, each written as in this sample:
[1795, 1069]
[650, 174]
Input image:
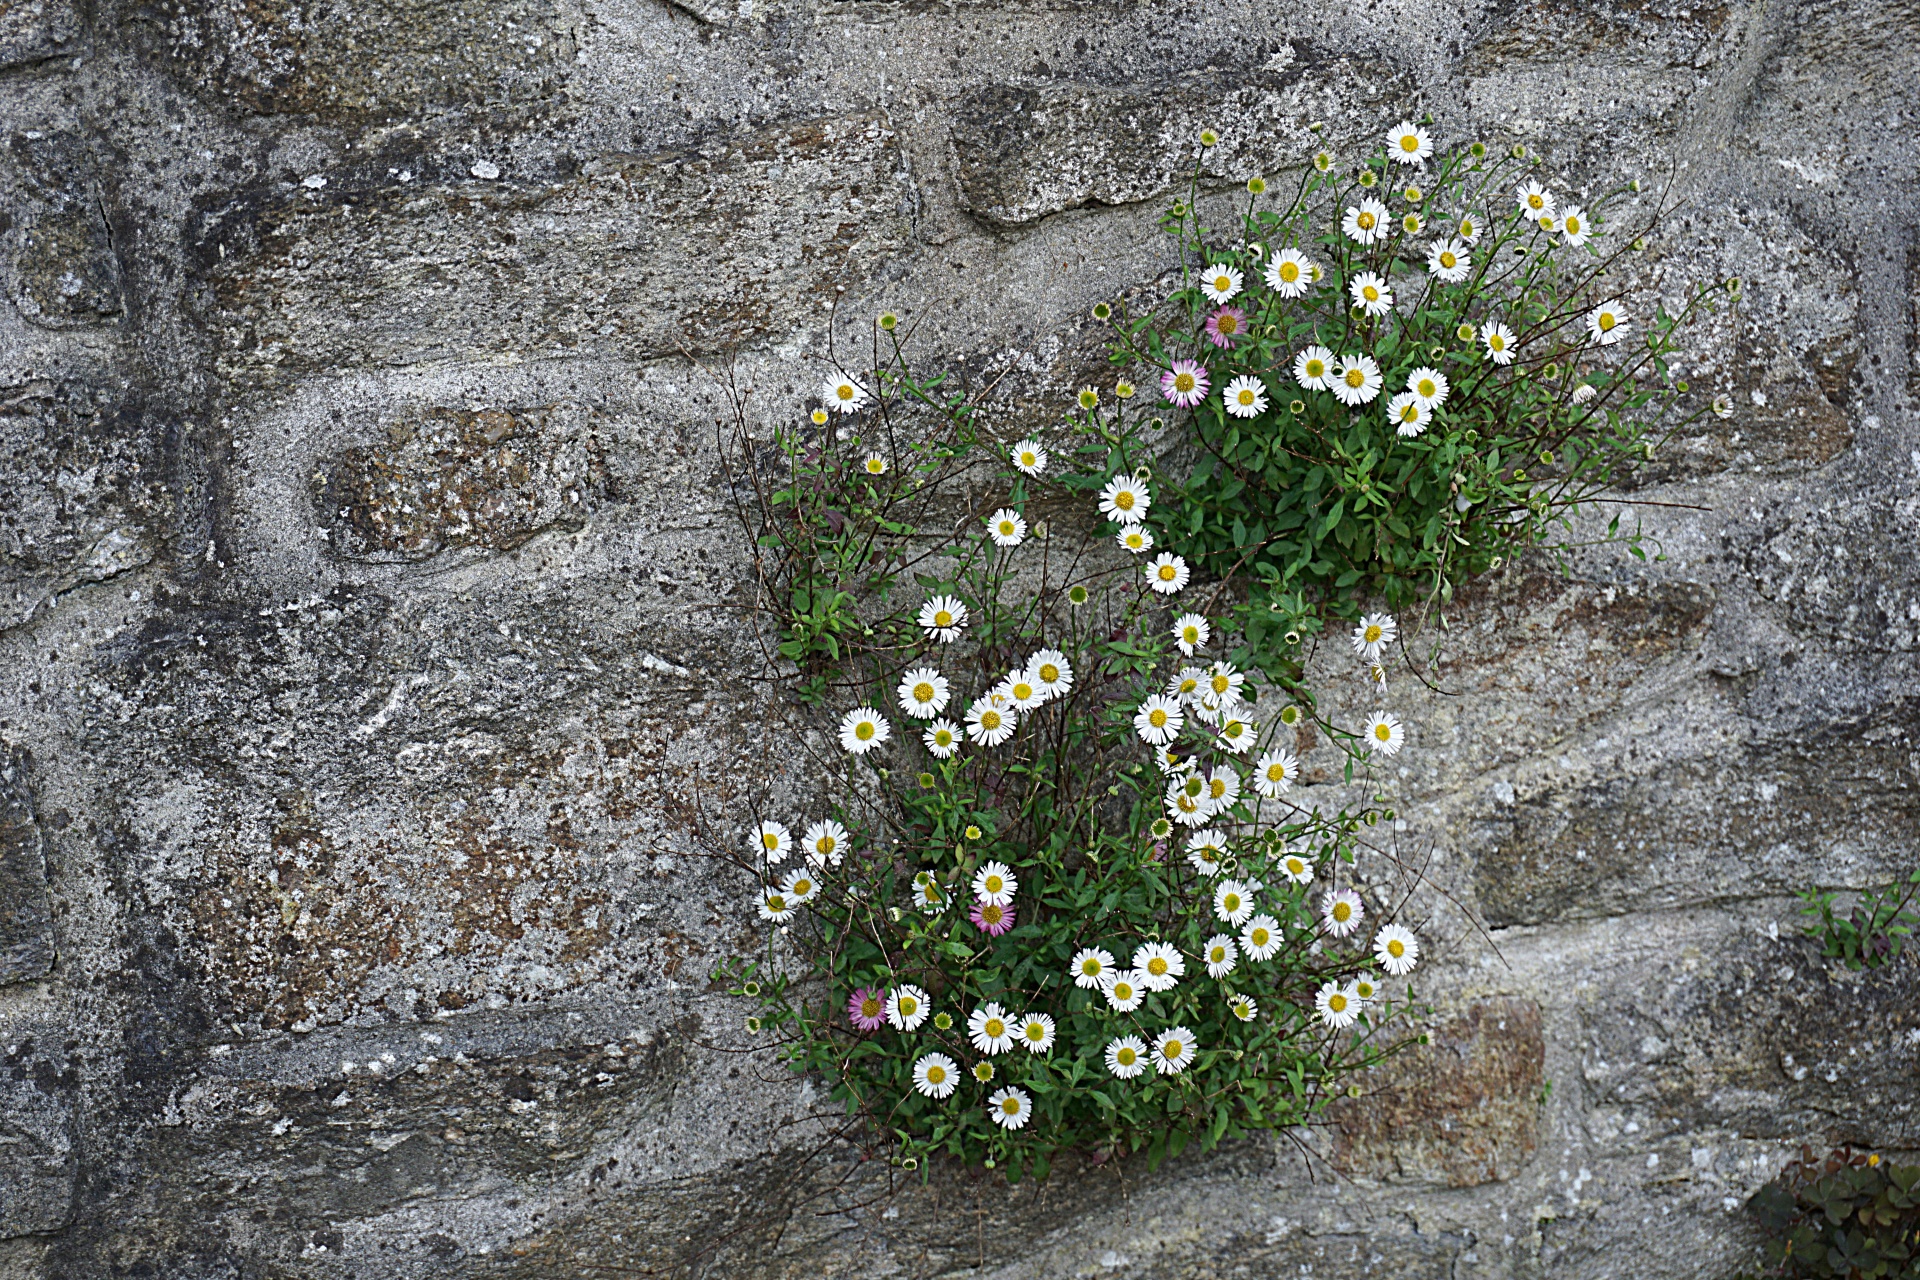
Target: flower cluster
[1407, 370]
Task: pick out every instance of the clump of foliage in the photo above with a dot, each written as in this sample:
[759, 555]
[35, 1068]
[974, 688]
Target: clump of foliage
[1400, 372]
[1061, 889]
[1849, 1216]
[1873, 933]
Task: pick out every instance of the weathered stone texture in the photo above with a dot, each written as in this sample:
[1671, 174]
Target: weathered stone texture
[377, 708]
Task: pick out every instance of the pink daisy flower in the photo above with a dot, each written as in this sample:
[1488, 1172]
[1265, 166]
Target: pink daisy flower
[992, 919]
[867, 1009]
[1226, 326]
[1185, 384]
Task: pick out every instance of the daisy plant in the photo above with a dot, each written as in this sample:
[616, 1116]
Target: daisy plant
[1399, 372]
[1081, 894]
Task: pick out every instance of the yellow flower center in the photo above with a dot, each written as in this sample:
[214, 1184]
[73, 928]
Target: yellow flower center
[1010, 1106]
[1217, 955]
[1316, 368]
[1535, 202]
[936, 1074]
[1573, 226]
[1289, 271]
[1258, 937]
[1231, 902]
[1370, 293]
[1023, 691]
[1246, 396]
[990, 720]
[1157, 967]
[1173, 1050]
[776, 903]
[1123, 991]
[1409, 143]
[992, 915]
[983, 1072]
[1124, 499]
[871, 1007]
[1125, 1056]
[1157, 718]
[1466, 231]
[1447, 260]
[1036, 1032]
[825, 844]
[1181, 382]
[1496, 342]
[1168, 573]
[907, 1006]
[1412, 223]
[923, 692]
[1090, 967]
[1295, 866]
[941, 618]
[1337, 1002]
[995, 1028]
[1428, 388]
[1028, 460]
[1396, 948]
[1607, 321]
[1382, 732]
[1049, 672]
[1341, 912]
[1410, 413]
[1364, 222]
[1217, 788]
[995, 884]
[943, 736]
[1374, 632]
[802, 887]
[1356, 378]
[1222, 283]
[1226, 324]
[863, 730]
[844, 391]
[1276, 773]
[770, 840]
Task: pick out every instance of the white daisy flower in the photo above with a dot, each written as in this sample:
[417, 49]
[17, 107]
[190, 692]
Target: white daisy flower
[1090, 966]
[1408, 416]
[1366, 223]
[1190, 632]
[943, 618]
[800, 885]
[1469, 229]
[1029, 458]
[1289, 272]
[1223, 685]
[1723, 406]
[825, 843]
[1261, 937]
[1232, 902]
[1206, 850]
[1187, 809]
[1050, 672]
[776, 906]
[1173, 1051]
[1160, 966]
[908, 1007]
[928, 893]
[1125, 500]
[1341, 910]
[990, 1029]
[1365, 990]
[1223, 788]
[991, 721]
[1158, 720]
[1010, 1107]
[1583, 393]
[1313, 369]
[1007, 528]
[1336, 1006]
[1221, 955]
[1535, 202]
[1167, 573]
[1020, 691]
[1036, 1032]
[772, 839]
[935, 1075]
[1448, 261]
[1384, 733]
[1499, 340]
[1126, 1056]
[1245, 1008]
[1123, 990]
[1356, 380]
[1186, 686]
[843, 395]
[874, 464]
[1428, 386]
[1397, 949]
[1274, 772]
[1606, 323]
[1245, 397]
[1237, 734]
[995, 883]
[1547, 223]
[942, 739]
[1135, 538]
[861, 730]
[1575, 226]
[1220, 282]
[1295, 867]
[1371, 293]
[923, 693]
[1408, 143]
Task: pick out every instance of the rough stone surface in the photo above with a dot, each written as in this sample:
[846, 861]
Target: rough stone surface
[371, 666]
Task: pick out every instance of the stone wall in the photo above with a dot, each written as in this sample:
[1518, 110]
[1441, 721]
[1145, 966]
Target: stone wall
[371, 645]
